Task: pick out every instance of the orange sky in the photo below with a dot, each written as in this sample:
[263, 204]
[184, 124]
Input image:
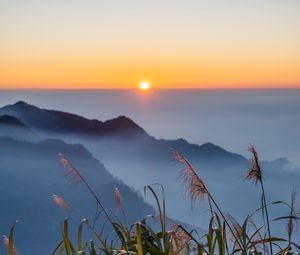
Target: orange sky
[174, 44]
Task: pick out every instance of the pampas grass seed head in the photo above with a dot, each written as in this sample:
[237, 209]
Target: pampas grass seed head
[254, 173]
[195, 185]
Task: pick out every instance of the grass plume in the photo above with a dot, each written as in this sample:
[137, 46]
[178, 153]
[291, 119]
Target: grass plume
[58, 200]
[118, 198]
[254, 173]
[195, 185]
[198, 190]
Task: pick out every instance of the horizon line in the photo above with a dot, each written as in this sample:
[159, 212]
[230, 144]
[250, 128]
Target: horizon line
[151, 89]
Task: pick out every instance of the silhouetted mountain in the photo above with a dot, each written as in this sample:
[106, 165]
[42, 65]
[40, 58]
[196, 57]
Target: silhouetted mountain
[120, 137]
[57, 121]
[30, 174]
[13, 127]
[10, 121]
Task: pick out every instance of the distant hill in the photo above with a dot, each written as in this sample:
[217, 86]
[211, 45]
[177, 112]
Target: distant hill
[13, 127]
[30, 174]
[6, 120]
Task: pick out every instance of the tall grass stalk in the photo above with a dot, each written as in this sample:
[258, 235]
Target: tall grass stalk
[293, 217]
[198, 190]
[255, 173]
[75, 174]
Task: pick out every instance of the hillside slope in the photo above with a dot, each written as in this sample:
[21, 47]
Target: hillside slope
[30, 174]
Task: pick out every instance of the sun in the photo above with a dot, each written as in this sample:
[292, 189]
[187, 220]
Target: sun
[144, 85]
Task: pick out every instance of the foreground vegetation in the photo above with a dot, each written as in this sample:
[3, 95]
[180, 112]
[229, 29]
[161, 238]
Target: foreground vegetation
[224, 236]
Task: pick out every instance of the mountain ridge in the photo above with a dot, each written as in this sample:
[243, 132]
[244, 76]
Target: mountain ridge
[119, 128]
[64, 122]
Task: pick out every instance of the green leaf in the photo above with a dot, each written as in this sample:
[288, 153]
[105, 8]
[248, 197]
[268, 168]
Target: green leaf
[11, 241]
[79, 236]
[139, 239]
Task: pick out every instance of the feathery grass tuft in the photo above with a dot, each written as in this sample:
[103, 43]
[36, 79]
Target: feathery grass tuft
[118, 198]
[70, 171]
[61, 202]
[195, 185]
[254, 173]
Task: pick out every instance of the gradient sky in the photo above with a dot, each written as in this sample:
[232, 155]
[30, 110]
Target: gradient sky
[171, 43]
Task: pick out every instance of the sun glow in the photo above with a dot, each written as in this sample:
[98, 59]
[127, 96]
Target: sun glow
[144, 85]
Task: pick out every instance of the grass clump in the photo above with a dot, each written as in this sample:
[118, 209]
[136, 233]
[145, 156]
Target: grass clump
[224, 236]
